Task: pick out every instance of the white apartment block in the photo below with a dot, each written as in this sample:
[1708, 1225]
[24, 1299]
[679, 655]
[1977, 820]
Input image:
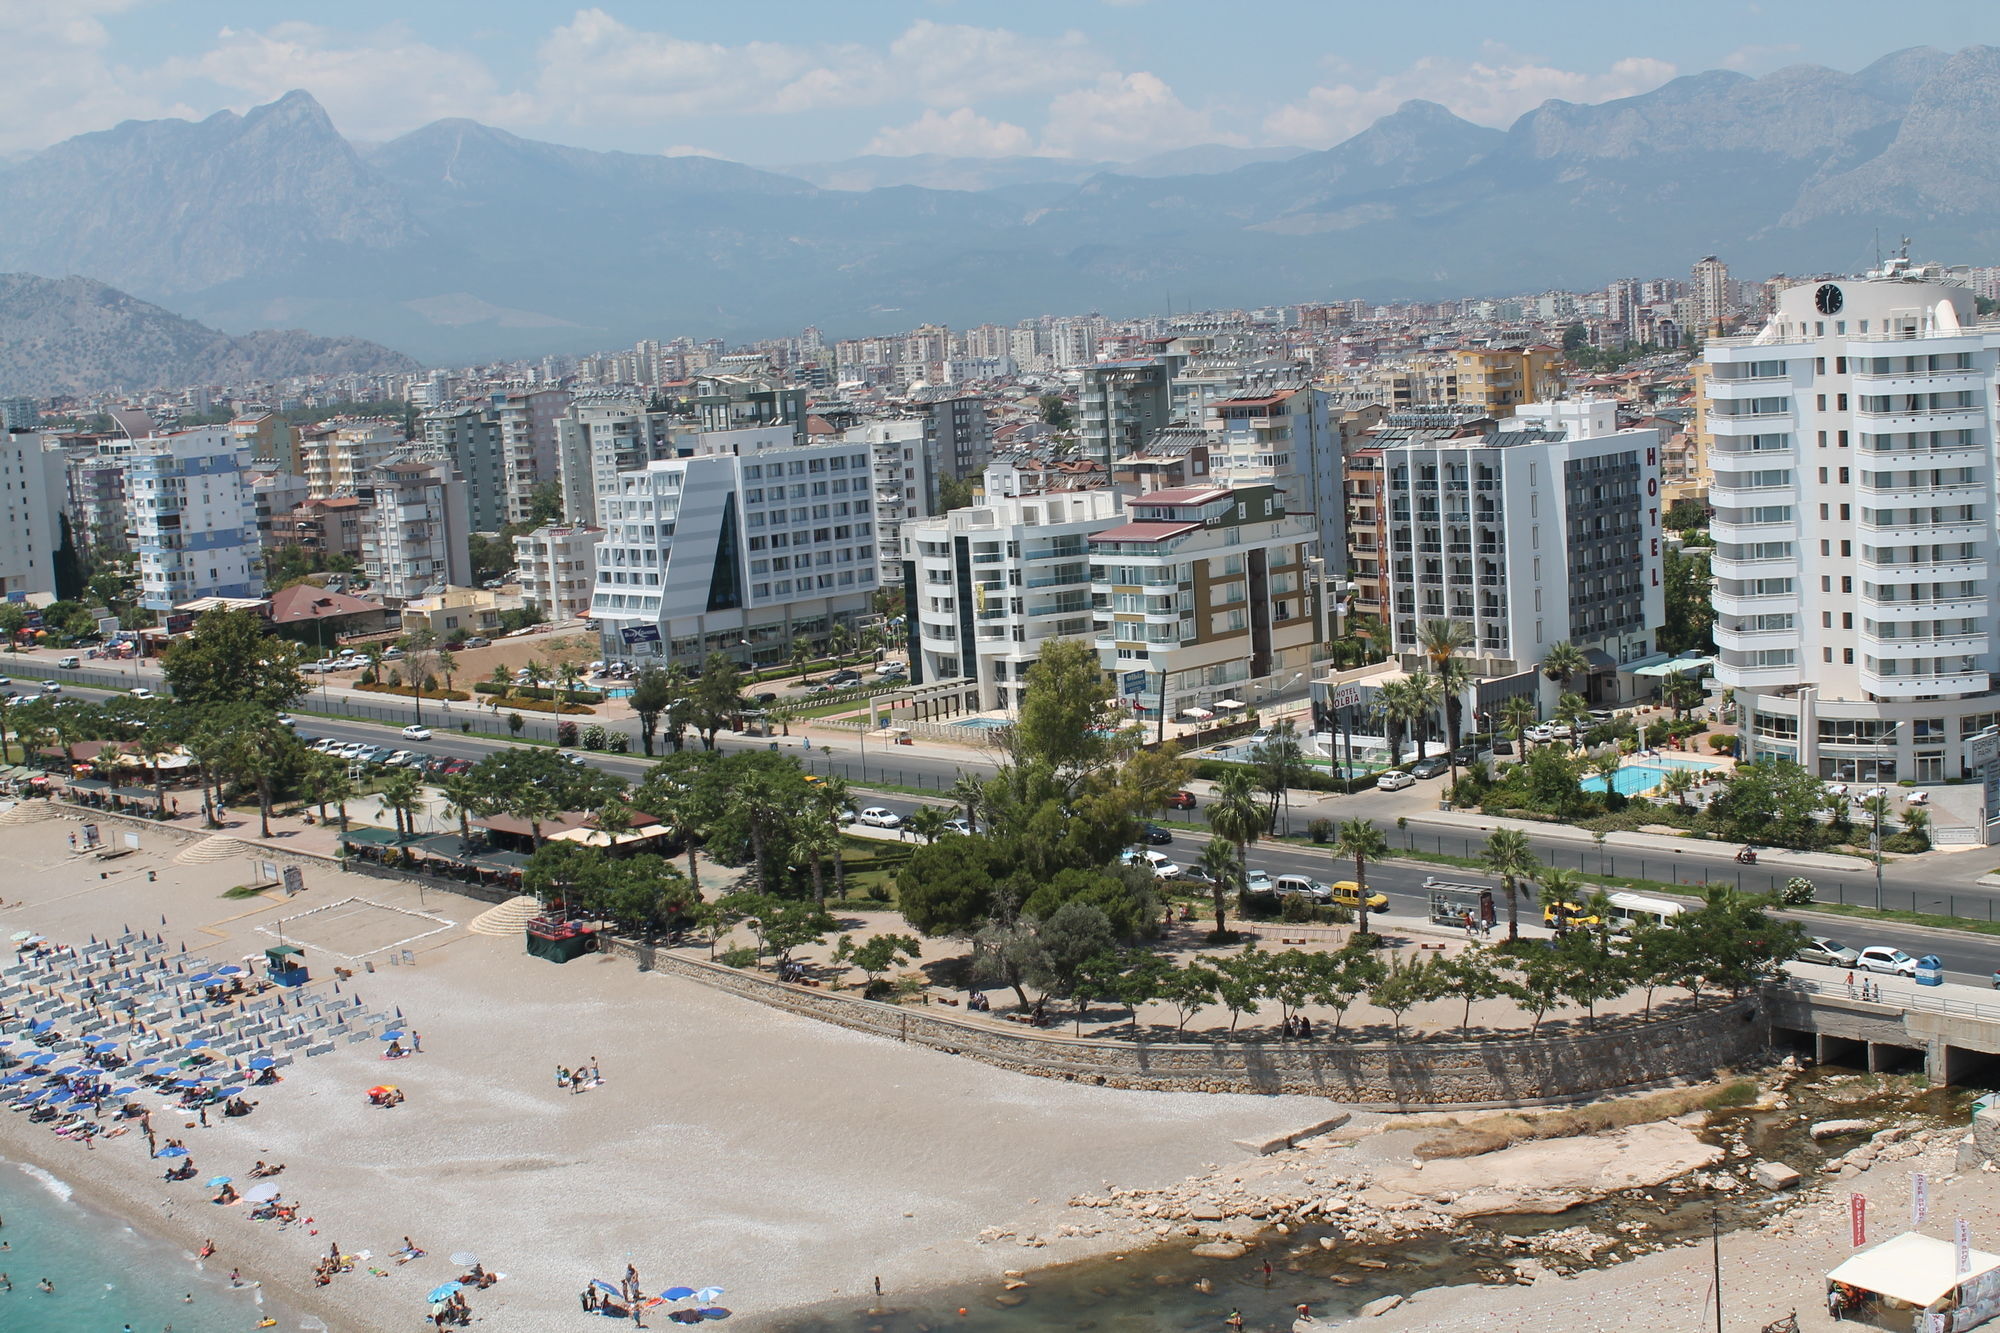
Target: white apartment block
[32, 484]
[558, 568]
[337, 454]
[1855, 501]
[531, 439]
[1544, 530]
[905, 487]
[739, 549]
[414, 529]
[194, 522]
[1286, 436]
[990, 585]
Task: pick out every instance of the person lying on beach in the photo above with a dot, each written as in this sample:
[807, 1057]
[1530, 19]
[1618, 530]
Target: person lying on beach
[259, 1171]
[227, 1196]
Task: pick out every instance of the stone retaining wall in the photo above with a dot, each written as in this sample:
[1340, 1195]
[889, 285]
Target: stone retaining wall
[1377, 1076]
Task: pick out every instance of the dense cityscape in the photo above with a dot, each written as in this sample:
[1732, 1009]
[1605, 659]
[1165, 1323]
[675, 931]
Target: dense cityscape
[1447, 814]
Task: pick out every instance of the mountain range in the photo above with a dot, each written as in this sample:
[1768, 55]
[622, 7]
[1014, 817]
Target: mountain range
[74, 335]
[459, 240]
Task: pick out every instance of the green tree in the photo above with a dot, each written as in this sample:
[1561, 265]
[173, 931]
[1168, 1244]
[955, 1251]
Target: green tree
[1517, 714]
[560, 873]
[13, 621]
[1224, 866]
[325, 783]
[1350, 976]
[1056, 411]
[228, 658]
[952, 494]
[1688, 621]
[1539, 981]
[1508, 855]
[969, 794]
[420, 649]
[1470, 977]
[717, 697]
[1573, 711]
[1065, 711]
[1280, 764]
[652, 692]
[876, 955]
[946, 889]
[1235, 817]
[927, 822]
[639, 894]
[1564, 662]
[1190, 989]
[1405, 984]
[1683, 693]
[1070, 940]
[1240, 981]
[1004, 952]
[402, 795]
[1362, 842]
[1772, 801]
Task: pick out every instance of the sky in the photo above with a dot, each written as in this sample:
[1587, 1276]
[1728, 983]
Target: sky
[778, 82]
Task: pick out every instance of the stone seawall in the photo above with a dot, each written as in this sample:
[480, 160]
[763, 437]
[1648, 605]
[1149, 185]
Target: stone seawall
[1378, 1076]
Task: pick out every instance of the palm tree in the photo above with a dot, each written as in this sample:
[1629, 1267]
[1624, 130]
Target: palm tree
[840, 642]
[614, 819]
[970, 794]
[402, 793]
[831, 800]
[1360, 839]
[1225, 871]
[1441, 641]
[1394, 705]
[1564, 662]
[154, 745]
[1606, 764]
[1425, 693]
[1678, 783]
[817, 839]
[464, 797]
[1574, 713]
[327, 783]
[1509, 856]
[1236, 818]
[1683, 693]
[533, 804]
[927, 822]
[6, 755]
[1517, 714]
[447, 665]
[373, 652]
[1560, 885]
[267, 749]
[570, 675]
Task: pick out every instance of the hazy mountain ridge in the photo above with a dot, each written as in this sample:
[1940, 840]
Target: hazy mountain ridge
[271, 218]
[75, 335]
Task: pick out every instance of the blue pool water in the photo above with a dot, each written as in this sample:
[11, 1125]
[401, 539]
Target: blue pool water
[1637, 779]
[982, 723]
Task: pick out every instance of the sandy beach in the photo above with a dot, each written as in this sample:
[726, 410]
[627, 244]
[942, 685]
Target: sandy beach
[786, 1161]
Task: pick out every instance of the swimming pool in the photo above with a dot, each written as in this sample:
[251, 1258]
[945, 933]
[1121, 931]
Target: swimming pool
[981, 723]
[1637, 779]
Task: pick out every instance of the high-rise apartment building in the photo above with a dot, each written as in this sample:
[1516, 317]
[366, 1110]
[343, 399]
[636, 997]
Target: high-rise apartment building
[989, 586]
[1496, 380]
[1855, 503]
[531, 437]
[337, 454]
[739, 549]
[1710, 294]
[414, 533]
[471, 438]
[958, 436]
[32, 485]
[1286, 436]
[1121, 404]
[1201, 591]
[1542, 530]
[194, 524]
[558, 568]
[17, 413]
[601, 437]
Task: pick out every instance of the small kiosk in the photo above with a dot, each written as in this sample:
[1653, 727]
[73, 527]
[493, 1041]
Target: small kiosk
[559, 941]
[286, 964]
[1904, 1279]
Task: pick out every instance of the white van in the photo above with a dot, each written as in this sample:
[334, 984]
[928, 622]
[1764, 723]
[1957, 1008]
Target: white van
[1630, 910]
[72, 660]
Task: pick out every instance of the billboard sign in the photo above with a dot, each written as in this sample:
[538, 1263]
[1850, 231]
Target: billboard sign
[632, 634]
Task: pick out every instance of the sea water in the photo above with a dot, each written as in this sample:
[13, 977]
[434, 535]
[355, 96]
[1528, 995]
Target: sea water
[108, 1274]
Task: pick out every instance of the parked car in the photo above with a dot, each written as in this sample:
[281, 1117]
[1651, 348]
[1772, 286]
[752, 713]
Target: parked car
[1395, 780]
[51, 687]
[958, 825]
[479, 641]
[876, 816]
[1883, 958]
[1156, 835]
[1541, 732]
[1347, 893]
[1181, 800]
[844, 678]
[1502, 746]
[1194, 874]
[767, 698]
[819, 687]
[1257, 881]
[1430, 768]
[393, 655]
[1820, 949]
[1302, 886]
[142, 693]
[416, 732]
[1161, 867]
[324, 743]
[286, 720]
[398, 758]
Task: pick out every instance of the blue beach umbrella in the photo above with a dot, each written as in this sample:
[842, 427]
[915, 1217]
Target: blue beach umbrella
[229, 971]
[216, 1182]
[124, 1092]
[607, 1287]
[104, 1046]
[13, 1079]
[228, 1092]
[187, 1082]
[45, 1058]
[676, 1293]
[443, 1291]
[42, 1026]
[392, 1036]
[67, 1070]
[713, 1312]
[196, 1044]
[707, 1294]
[263, 1062]
[172, 1150]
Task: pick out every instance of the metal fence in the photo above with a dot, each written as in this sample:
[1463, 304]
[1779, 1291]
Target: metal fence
[1853, 889]
[1921, 997]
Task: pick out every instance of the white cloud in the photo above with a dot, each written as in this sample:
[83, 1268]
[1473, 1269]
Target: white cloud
[1490, 92]
[374, 85]
[959, 133]
[59, 81]
[597, 69]
[1746, 58]
[1124, 114]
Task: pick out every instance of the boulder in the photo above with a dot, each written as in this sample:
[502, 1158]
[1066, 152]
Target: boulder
[1381, 1305]
[1222, 1249]
[1833, 1129]
[1774, 1175]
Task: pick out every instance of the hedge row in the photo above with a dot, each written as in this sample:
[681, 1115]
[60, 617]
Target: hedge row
[540, 692]
[410, 691]
[536, 706]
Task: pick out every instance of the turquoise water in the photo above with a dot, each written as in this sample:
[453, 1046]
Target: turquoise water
[1636, 779]
[107, 1274]
[984, 723]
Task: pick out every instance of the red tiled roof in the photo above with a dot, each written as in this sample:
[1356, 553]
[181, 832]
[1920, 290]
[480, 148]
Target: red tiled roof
[303, 601]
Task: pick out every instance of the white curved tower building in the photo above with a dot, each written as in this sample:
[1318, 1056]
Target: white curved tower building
[1855, 503]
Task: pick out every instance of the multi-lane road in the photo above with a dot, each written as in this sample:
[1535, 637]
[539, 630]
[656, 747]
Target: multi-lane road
[1967, 957]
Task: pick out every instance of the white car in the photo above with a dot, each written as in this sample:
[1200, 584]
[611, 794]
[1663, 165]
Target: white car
[573, 759]
[142, 693]
[1257, 881]
[1161, 867]
[1883, 958]
[286, 720]
[51, 687]
[327, 744]
[1541, 732]
[416, 732]
[876, 816]
[1303, 886]
[1395, 780]
[398, 759]
[1559, 731]
[958, 826]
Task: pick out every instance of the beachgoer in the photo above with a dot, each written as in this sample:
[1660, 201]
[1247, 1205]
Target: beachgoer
[1235, 1319]
[589, 1298]
[416, 1041]
[235, 1277]
[48, 1287]
[1834, 1305]
[595, 1075]
[562, 1077]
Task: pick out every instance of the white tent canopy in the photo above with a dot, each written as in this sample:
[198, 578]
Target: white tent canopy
[1919, 1270]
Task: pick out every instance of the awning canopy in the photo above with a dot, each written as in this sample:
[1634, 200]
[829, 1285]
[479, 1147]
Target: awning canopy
[1600, 660]
[1200, 714]
[1911, 1267]
[1227, 704]
[1671, 666]
[366, 835]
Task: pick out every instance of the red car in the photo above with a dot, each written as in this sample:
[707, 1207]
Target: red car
[1181, 800]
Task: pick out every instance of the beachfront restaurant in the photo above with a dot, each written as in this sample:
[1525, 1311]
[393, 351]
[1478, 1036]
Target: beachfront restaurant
[1894, 1285]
